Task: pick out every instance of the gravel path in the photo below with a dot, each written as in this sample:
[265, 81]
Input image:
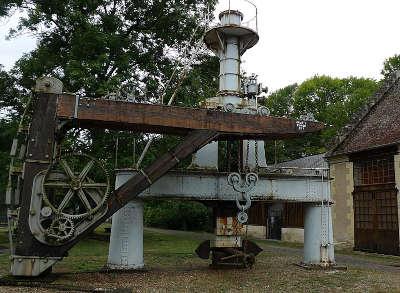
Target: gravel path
[359, 260]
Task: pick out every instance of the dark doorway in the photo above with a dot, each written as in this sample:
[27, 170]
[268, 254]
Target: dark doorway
[274, 222]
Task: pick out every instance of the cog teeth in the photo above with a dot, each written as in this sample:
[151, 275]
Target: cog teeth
[103, 196]
[61, 229]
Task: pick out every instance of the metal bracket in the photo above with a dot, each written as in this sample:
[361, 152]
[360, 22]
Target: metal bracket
[31, 266]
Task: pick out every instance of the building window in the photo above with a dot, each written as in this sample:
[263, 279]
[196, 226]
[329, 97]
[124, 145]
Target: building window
[371, 171]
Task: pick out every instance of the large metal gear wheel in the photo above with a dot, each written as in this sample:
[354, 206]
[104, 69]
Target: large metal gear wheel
[61, 229]
[76, 186]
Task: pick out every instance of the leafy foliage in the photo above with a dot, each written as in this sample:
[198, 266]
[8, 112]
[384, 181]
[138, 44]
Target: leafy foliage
[178, 215]
[391, 65]
[94, 47]
[331, 100]
[12, 96]
[110, 46]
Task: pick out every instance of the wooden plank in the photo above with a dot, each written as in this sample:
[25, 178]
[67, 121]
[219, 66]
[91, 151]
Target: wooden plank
[39, 152]
[99, 113]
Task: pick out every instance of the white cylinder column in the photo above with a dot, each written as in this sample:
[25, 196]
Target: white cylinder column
[126, 239]
[318, 236]
[206, 158]
[229, 80]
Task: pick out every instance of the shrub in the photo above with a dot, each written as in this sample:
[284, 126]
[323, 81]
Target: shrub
[177, 215]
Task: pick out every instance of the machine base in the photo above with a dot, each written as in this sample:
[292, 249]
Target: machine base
[230, 257]
[31, 266]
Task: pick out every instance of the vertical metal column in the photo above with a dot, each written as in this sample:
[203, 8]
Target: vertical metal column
[318, 235]
[126, 239]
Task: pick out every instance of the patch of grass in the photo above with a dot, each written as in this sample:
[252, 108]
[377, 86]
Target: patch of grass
[173, 266]
[4, 237]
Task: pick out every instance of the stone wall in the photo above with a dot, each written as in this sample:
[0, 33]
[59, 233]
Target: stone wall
[259, 232]
[342, 187]
[293, 235]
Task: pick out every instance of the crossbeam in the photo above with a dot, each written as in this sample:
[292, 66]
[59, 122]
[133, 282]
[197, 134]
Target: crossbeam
[213, 186]
[100, 113]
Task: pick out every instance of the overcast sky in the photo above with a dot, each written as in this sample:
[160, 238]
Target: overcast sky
[298, 39]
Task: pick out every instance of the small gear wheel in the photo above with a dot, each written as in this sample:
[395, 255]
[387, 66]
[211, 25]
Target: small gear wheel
[242, 217]
[61, 229]
[76, 186]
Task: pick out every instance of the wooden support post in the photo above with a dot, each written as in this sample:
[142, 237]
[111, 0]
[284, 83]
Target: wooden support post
[38, 155]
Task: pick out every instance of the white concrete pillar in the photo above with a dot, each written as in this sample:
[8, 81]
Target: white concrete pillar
[318, 235]
[126, 239]
[206, 157]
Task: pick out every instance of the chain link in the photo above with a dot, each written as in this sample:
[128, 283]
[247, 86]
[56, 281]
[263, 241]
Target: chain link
[246, 167]
[256, 155]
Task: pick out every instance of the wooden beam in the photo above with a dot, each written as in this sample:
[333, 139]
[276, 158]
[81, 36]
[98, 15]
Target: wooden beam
[142, 180]
[99, 113]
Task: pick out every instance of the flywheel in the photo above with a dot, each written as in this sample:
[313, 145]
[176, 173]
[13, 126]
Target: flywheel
[75, 186]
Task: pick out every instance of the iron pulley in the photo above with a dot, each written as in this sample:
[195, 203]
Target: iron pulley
[243, 187]
[76, 186]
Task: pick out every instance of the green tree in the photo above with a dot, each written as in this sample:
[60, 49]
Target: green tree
[281, 101]
[95, 47]
[391, 65]
[105, 46]
[332, 101]
[12, 96]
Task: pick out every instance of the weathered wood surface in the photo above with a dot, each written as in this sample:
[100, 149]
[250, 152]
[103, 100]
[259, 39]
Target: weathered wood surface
[39, 153]
[148, 118]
